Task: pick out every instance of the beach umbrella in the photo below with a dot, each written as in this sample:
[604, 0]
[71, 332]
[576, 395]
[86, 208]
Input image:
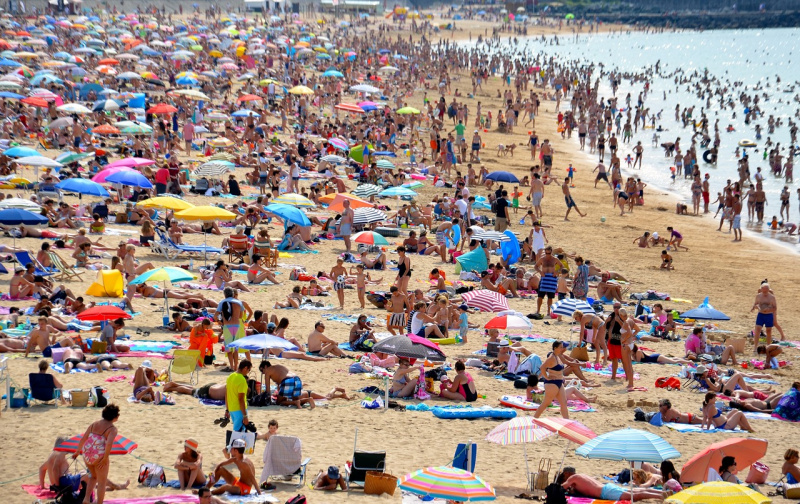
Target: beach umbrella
[296, 200]
[410, 347]
[719, 492]
[100, 177]
[491, 236]
[333, 158]
[370, 238]
[349, 107]
[166, 203]
[20, 151]
[288, 213]
[70, 157]
[121, 445]
[249, 97]
[103, 313]
[38, 161]
[407, 110]
[571, 430]
[503, 176]
[212, 169]
[162, 108]
[485, 300]
[258, 342]
[104, 105]
[106, 129]
[19, 216]
[338, 143]
[61, 122]
[447, 483]
[365, 88]
[566, 307]
[367, 190]
[221, 143]
[385, 164]
[193, 94]
[137, 129]
[397, 191]
[333, 73]
[73, 108]
[131, 162]
[629, 444]
[368, 105]
[301, 90]
[245, 113]
[367, 215]
[130, 178]
[705, 312]
[20, 203]
[337, 204]
[746, 451]
[164, 274]
[205, 213]
[83, 186]
[519, 430]
[329, 198]
[509, 321]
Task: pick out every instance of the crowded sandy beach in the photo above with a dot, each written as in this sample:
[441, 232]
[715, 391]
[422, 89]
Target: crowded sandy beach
[252, 256]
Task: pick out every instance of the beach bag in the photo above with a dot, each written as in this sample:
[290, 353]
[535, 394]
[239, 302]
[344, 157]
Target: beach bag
[543, 475]
[151, 475]
[297, 499]
[790, 491]
[758, 473]
[669, 383]
[555, 494]
[68, 495]
[248, 437]
[376, 403]
[580, 353]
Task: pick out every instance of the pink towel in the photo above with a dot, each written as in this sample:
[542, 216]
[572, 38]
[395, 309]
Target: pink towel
[39, 493]
[171, 499]
[114, 379]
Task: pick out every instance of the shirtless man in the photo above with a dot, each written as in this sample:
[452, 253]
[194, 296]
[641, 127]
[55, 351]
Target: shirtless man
[668, 414]
[608, 292]
[245, 483]
[346, 224]
[736, 221]
[767, 304]
[396, 306]
[589, 487]
[290, 387]
[322, 345]
[601, 175]
[443, 234]
[612, 275]
[215, 391]
[569, 201]
[546, 267]
[44, 337]
[536, 194]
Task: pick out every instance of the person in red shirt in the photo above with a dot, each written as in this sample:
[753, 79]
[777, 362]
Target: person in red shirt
[162, 178]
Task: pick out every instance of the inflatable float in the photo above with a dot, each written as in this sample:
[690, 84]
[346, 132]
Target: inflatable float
[519, 402]
[443, 341]
[709, 157]
[454, 412]
[746, 143]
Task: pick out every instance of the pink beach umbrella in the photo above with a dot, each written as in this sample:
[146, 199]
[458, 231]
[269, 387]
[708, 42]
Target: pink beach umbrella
[101, 177]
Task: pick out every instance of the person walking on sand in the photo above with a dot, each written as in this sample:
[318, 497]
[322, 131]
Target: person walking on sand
[767, 304]
[346, 224]
[536, 194]
[569, 201]
[96, 446]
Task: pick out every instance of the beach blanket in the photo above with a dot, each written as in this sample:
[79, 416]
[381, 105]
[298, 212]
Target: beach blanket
[311, 306]
[167, 499]
[348, 319]
[537, 338]
[694, 428]
[177, 484]
[152, 346]
[211, 402]
[589, 500]
[197, 286]
[761, 381]
[607, 372]
[788, 407]
[754, 415]
[117, 379]
[58, 367]
[143, 355]
[39, 493]
[6, 297]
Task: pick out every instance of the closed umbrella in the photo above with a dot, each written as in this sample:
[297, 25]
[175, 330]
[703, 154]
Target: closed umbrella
[120, 446]
[705, 312]
[83, 186]
[503, 176]
[718, 492]
[485, 300]
[746, 451]
[629, 444]
[103, 313]
[410, 347]
[448, 483]
[289, 213]
[130, 178]
[367, 215]
[566, 307]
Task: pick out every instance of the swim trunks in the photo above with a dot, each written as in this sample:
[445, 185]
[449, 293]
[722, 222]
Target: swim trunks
[765, 319]
[291, 387]
[536, 198]
[202, 392]
[737, 222]
[612, 492]
[397, 319]
[230, 333]
[48, 351]
[243, 489]
[569, 201]
[344, 229]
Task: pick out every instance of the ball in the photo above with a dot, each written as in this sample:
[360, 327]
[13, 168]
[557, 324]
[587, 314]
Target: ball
[603, 218]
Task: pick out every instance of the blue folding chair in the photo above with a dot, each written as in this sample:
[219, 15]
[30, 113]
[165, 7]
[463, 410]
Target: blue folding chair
[24, 259]
[43, 388]
[465, 456]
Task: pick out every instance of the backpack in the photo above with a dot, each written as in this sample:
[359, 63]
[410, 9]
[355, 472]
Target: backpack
[555, 494]
[151, 475]
[99, 396]
[297, 499]
[68, 495]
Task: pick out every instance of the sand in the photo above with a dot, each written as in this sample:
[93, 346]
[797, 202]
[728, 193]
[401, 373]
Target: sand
[714, 266]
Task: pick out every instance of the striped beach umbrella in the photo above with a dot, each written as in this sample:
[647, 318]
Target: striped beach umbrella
[397, 191]
[509, 322]
[349, 107]
[517, 431]
[485, 300]
[121, 446]
[567, 306]
[719, 492]
[491, 236]
[338, 143]
[629, 444]
[448, 483]
[333, 158]
[572, 430]
[296, 200]
[367, 215]
[367, 190]
[212, 169]
[370, 238]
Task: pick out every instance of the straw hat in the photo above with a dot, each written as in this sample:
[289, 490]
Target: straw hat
[191, 444]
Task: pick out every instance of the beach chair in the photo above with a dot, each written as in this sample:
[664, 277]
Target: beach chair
[46, 193]
[184, 362]
[170, 249]
[364, 461]
[692, 383]
[238, 248]
[64, 272]
[270, 258]
[465, 456]
[283, 458]
[43, 388]
[24, 259]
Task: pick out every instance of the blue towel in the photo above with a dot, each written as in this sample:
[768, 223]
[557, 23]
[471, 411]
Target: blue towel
[694, 428]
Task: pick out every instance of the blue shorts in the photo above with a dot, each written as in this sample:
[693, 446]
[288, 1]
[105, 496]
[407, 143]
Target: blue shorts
[48, 351]
[238, 420]
[611, 492]
[765, 319]
[345, 229]
[291, 387]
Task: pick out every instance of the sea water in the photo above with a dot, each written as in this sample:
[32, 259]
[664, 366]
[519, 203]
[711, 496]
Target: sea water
[753, 57]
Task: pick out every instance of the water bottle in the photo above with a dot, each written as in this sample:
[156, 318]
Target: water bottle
[191, 264]
[27, 323]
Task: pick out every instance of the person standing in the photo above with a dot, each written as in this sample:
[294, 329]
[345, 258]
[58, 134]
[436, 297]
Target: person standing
[346, 224]
[767, 304]
[403, 270]
[230, 312]
[96, 446]
[501, 212]
[536, 194]
[569, 201]
[236, 395]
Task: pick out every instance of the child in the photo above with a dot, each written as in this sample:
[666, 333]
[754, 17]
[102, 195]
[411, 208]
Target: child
[97, 226]
[272, 430]
[339, 276]
[629, 160]
[666, 261]
[463, 322]
[494, 335]
[361, 284]
[571, 174]
[515, 198]
[440, 279]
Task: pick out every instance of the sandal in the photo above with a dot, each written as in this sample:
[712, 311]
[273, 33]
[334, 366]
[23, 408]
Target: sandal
[268, 486]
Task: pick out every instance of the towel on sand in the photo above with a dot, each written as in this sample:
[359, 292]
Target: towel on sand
[694, 428]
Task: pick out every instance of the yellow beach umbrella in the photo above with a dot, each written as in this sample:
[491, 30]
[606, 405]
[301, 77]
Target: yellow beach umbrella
[216, 53]
[293, 199]
[301, 90]
[719, 492]
[205, 213]
[166, 203]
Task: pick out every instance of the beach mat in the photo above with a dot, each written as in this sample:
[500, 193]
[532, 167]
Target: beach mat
[177, 484]
[39, 493]
[694, 428]
[152, 346]
[589, 500]
[168, 499]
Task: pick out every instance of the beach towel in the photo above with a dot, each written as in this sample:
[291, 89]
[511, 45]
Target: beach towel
[537, 338]
[211, 402]
[168, 499]
[144, 355]
[788, 407]
[177, 484]
[311, 306]
[348, 319]
[117, 379]
[754, 415]
[589, 500]
[40, 493]
[196, 286]
[607, 372]
[6, 297]
[152, 346]
[694, 428]
[763, 381]
[58, 367]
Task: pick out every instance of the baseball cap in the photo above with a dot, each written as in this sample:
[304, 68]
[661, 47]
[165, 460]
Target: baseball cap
[463, 307]
[700, 369]
[271, 325]
[238, 443]
[333, 472]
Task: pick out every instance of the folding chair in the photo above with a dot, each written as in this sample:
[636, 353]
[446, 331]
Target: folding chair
[465, 455]
[184, 362]
[364, 461]
[63, 272]
[692, 383]
[283, 458]
[43, 388]
[24, 259]
[238, 248]
[271, 258]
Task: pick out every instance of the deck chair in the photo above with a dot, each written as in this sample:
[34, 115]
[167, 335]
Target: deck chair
[24, 259]
[3, 269]
[43, 388]
[464, 457]
[46, 193]
[270, 258]
[692, 383]
[64, 272]
[165, 242]
[364, 461]
[283, 458]
[238, 248]
[184, 362]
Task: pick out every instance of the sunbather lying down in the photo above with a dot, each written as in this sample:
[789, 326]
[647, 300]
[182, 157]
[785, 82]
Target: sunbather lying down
[580, 484]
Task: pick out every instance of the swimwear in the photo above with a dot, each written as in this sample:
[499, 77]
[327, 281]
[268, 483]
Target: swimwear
[202, 392]
[230, 333]
[243, 489]
[536, 198]
[612, 492]
[95, 447]
[765, 319]
[650, 359]
[290, 387]
[558, 367]
[465, 392]
[48, 351]
[344, 229]
[73, 361]
[397, 319]
[569, 201]
[547, 286]
[790, 479]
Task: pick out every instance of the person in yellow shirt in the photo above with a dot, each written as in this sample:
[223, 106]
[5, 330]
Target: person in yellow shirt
[236, 395]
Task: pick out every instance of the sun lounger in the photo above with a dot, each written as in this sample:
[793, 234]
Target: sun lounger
[283, 458]
[170, 250]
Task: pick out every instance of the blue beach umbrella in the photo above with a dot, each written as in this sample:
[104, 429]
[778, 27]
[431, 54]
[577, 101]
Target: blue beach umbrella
[261, 342]
[289, 213]
[82, 186]
[633, 445]
[503, 176]
[18, 216]
[130, 178]
[705, 312]
[397, 191]
[8, 95]
[20, 151]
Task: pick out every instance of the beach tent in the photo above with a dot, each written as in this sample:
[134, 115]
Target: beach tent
[510, 249]
[474, 260]
[108, 284]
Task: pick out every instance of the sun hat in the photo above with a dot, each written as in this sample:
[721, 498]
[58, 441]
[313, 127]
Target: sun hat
[146, 364]
[700, 369]
[191, 444]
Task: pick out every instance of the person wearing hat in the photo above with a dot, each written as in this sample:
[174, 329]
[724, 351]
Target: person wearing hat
[245, 483]
[190, 465]
[143, 379]
[328, 481]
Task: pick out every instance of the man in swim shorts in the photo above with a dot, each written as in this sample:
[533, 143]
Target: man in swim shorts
[245, 483]
[546, 267]
[767, 305]
[230, 312]
[586, 486]
[290, 387]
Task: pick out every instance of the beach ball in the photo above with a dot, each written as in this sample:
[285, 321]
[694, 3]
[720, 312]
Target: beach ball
[603, 218]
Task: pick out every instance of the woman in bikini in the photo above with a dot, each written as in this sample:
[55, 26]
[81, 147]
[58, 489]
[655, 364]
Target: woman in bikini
[591, 322]
[713, 418]
[425, 247]
[257, 273]
[462, 388]
[222, 278]
[403, 270]
[402, 384]
[502, 287]
[83, 259]
[553, 372]
[96, 446]
[627, 333]
[639, 356]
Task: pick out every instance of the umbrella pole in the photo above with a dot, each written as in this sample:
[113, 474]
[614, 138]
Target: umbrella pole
[386, 388]
[205, 248]
[527, 470]
[561, 465]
